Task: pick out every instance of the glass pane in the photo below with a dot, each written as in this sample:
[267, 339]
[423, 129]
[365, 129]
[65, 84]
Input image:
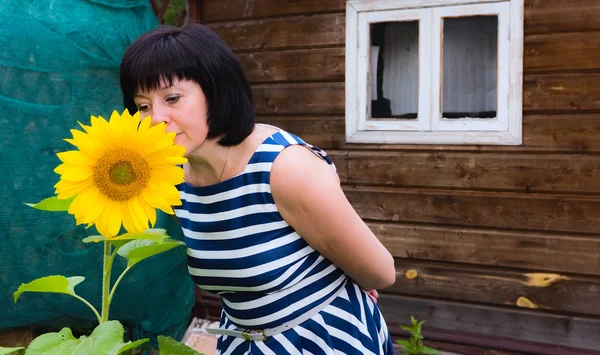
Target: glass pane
[470, 59]
[394, 81]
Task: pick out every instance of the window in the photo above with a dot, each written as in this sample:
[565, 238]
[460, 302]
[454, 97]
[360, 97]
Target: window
[434, 71]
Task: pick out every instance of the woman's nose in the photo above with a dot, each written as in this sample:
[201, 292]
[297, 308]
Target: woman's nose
[159, 115]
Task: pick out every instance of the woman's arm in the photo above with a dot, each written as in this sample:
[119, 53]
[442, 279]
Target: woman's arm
[308, 195]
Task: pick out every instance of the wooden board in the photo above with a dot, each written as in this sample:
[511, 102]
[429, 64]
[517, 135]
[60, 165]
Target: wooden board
[542, 93]
[464, 170]
[221, 10]
[286, 32]
[562, 52]
[312, 98]
[325, 64]
[547, 52]
[541, 133]
[561, 92]
[540, 15]
[326, 132]
[531, 325]
[558, 293]
[561, 15]
[558, 213]
[542, 252]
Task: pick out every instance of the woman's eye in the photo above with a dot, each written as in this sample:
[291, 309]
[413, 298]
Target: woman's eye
[173, 99]
[143, 108]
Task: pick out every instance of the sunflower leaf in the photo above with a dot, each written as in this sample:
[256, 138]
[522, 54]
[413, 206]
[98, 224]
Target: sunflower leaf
[93, 239]
[169, 346]
[6, 351]
[53, 204]
[51, 284]
[122, 347]
[155, 235]
[102, 340]
[59, 343]
[140, 249]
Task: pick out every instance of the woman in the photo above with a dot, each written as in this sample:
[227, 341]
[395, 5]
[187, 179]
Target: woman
[266, 222]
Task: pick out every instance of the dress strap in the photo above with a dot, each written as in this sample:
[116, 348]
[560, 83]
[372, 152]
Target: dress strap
[287, 139]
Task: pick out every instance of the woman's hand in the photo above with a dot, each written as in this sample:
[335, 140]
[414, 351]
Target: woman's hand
[309, 197]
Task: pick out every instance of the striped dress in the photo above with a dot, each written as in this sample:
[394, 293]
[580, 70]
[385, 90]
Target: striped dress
[240, 248]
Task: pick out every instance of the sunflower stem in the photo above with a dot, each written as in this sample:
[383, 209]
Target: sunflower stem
[89, 305]
[106, 281]
[114, 288]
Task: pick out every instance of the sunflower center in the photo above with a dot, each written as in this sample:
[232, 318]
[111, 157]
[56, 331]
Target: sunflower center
[121, 174]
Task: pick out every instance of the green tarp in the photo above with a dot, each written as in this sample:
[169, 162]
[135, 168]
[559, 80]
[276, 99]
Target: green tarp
[59, 63]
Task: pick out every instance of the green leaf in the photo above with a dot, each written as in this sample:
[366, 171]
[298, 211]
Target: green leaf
[138, 250]
[53, 204]
[407, 328]
[6, 351]
[51, 284]
[405, 343]
[169, 346]
[60, 343]
[156, 235]
[102, 340]
[120, 348]
[93, 239]
[430, 351]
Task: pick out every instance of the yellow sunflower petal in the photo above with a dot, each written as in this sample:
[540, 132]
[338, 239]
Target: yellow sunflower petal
[157, 203]
[75, 157]
[140, 219]
[109, 222]
[128, 222]
[73, 172]
[150, 212]
[66, 189]
[97, 207]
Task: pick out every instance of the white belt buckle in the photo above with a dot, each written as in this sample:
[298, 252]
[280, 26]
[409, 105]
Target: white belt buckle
[248, 334]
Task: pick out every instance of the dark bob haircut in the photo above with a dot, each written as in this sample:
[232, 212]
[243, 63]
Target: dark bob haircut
[192, 52]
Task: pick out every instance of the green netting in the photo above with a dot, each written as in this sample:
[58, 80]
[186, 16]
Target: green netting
[59, 63]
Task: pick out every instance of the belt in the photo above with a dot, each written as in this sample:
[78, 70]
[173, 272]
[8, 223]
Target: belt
[264, 334]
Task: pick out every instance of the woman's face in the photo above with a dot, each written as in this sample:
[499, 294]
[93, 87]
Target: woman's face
[182, 107]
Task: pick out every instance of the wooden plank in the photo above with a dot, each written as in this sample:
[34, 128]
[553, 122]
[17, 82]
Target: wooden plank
[553, 292]
[286, 32]
[325, 64]
[556, 213]
[16, 337]
[479, 344]
[541, 133]
[458, 349]
[313, 98]
[517, 324]
[221, 10]
[544, 252]
[465, 170]
[562, 51]
[561, 15]
[568, 92]
[578, 133]
[324, 132]
[548, 52]
[555, 92]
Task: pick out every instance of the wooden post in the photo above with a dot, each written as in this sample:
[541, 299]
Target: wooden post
[195, 9]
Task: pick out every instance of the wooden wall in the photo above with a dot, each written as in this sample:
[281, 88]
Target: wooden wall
[496, 240]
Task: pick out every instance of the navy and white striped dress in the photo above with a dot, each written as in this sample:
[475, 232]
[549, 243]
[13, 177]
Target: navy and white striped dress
[240, 247]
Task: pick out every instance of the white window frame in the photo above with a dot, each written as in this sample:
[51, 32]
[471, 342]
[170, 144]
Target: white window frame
[431, 128]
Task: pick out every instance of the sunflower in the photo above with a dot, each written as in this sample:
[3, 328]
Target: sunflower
[121, 173]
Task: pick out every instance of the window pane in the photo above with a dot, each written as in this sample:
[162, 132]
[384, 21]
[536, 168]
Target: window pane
[470, 58]
[394, 81]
